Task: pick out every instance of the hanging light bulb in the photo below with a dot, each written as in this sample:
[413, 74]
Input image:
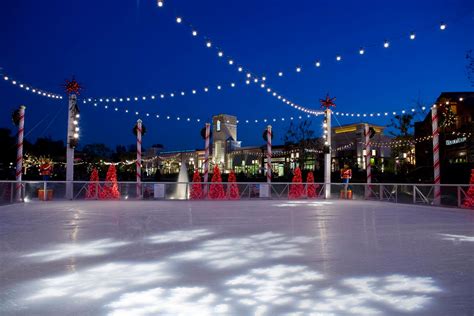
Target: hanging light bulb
[338, 58]
[195, 33]
[412, 36]
[442, 26]
[240, 69]
[160, 3]
[208, 44]
[361, 51]
[220, 54]
[318, 63]
[386, 44]
[280, 74]
[179, 20]
[231, 62]
[298, 69]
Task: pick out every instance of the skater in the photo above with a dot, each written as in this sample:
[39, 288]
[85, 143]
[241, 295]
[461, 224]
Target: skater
[346, 175]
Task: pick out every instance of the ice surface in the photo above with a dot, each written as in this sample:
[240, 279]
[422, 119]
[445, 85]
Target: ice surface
[235, 258]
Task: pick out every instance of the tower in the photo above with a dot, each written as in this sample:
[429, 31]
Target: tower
[224, 139]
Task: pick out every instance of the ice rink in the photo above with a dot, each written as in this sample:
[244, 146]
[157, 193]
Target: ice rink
[235, 258]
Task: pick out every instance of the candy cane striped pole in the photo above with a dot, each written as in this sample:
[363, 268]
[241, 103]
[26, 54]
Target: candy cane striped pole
[269, 154]
[19, 153]
[436, 164]
[368, 155]
[206, 157]
[139, 158]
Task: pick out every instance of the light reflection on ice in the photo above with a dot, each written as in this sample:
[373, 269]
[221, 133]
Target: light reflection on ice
[84, 249]
[300, 203]
[265, 289]
[231, 252]
[179, 236]
[175, 301]
[457, 238]
[99, 281]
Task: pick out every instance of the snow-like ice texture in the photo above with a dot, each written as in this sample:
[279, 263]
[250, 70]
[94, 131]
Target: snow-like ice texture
[235, 258]
[85, 249]
[232, 252]
[296, 287]
[179, 236]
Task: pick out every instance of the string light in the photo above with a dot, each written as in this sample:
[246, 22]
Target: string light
[338, 58]
[179, 20]
[386, 44]
[361, 51]
[160, 3]
[30, 88]
[195, 33]
[412, 36]
[442, 26]
[318, 63]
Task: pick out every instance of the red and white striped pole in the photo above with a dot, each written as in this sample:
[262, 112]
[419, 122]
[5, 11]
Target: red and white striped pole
[269, 154]
[139, 159]
[368, 155]
[206, 156]
[436, 164]
[19, 152]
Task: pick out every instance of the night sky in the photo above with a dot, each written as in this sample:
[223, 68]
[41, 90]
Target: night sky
[133, 48]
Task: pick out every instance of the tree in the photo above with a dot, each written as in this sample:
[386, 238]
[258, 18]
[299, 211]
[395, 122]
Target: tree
[402, 131]
[110, 189]
[216, 190]
[93, 187]
[232, 188]
[296, 188]
[97, 151]
[196, 188]
[311, 187]
[302, 137]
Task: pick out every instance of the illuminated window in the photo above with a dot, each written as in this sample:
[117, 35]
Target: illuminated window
[218, 125]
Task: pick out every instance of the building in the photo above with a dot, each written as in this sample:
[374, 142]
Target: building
[348, 147]
[227, 152]
[456, 127]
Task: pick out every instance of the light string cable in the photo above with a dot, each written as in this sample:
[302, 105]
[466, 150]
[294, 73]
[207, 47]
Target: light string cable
[28, 87]
[251, 77]
[318, 62]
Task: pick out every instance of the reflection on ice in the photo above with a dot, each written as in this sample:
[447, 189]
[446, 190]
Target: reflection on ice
[99, 281]
[175, 301]
[85, 249]
[179, 236]
[302, 203]
[266, 290]
[231, 252]
[457, 238]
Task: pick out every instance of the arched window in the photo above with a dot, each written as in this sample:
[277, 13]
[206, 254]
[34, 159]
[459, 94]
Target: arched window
[218, 125]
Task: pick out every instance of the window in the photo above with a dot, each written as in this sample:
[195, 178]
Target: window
[218, 125]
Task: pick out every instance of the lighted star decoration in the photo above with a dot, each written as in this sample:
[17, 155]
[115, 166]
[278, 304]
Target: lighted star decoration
[328, 102]
[72, 86]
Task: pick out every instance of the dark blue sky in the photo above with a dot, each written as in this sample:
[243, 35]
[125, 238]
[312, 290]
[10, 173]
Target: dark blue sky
[120, 48]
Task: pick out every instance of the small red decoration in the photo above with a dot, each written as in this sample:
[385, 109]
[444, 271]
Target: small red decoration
[72, 87]
[469, 201]
[216, 191]
[296, 188]
[232, 187]
[328, 102]
[93, 187]
[312, 188]
[196, 188]
[110, 189]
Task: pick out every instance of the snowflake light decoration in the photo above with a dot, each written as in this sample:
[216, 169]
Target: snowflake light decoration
[72, 86]
[328, 102]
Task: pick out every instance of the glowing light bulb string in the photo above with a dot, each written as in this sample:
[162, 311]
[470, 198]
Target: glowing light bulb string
[317, 62]
[30, 88]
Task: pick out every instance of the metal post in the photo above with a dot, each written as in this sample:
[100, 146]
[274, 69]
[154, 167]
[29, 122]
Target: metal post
[71, 124]
[327, 157]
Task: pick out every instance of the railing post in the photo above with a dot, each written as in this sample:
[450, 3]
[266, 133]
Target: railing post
[45, 190]
[459, 196]
[381, 191]
[414, 194]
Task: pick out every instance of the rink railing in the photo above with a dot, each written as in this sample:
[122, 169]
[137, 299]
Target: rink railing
[453, 195]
